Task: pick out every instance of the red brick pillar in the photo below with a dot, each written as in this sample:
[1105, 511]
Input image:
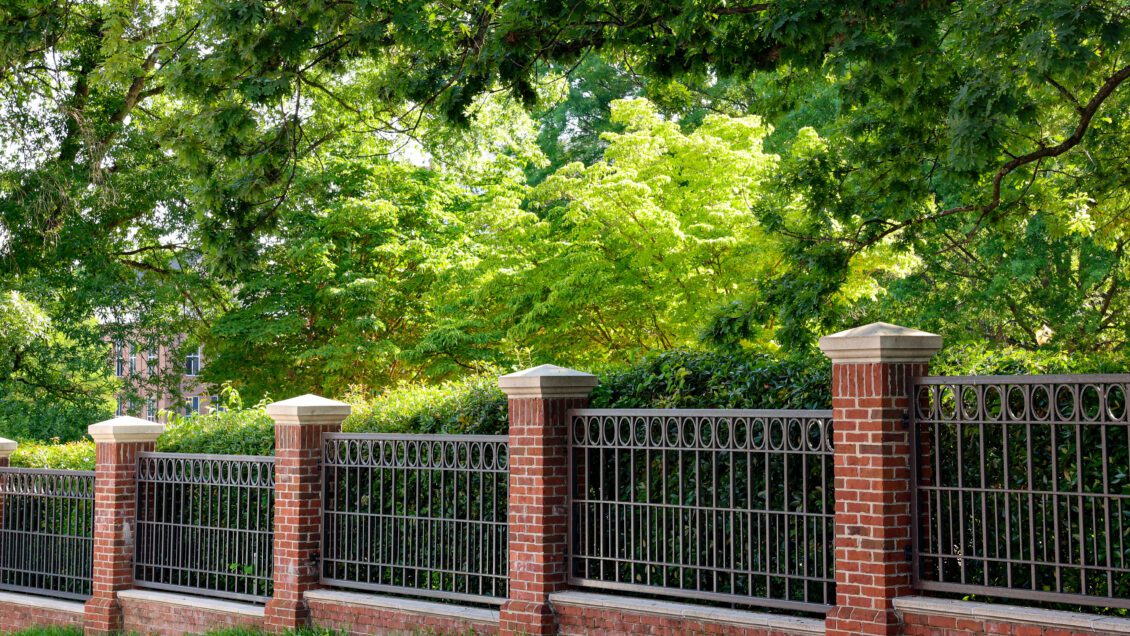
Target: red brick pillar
[299, 425]
[871, 369]
[7, 447]
[539, 400]
[117, 443]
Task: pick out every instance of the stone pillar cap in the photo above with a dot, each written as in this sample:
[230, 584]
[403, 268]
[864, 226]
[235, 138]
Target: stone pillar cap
[881, 342]
[125, 429]
[7, 447]
[308, 405]
[547, 381]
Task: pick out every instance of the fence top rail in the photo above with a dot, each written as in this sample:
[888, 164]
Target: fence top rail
[1091, 378]
[60, 472]
[416, 437]
[207, 457]
[816, 413]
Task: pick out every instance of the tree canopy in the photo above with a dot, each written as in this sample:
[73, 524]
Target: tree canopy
[334, 194]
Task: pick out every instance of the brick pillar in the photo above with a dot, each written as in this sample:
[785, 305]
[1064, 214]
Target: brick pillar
[299, 425]
[117, 443]
[539, 400]
[871, 369]
[7, 447]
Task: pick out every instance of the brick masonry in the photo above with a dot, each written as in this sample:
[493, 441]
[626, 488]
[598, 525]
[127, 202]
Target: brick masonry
[582, 613]
[539, 514]
[145, 613]
[926, 625]
[299, 425]
[20, 611]
[873, 491]
[115, 500]
[922, 616]
[370, 614]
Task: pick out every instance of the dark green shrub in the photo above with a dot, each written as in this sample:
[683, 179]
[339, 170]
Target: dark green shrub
[684, 378]
[231, 430]
[472, 406]
[980, 358]
[40, 419]
[68, 456]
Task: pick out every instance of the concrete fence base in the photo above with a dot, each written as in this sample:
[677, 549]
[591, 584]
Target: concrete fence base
[578, 614]
[21, 611]
[165, 614]
[586, 613]
[945, 617]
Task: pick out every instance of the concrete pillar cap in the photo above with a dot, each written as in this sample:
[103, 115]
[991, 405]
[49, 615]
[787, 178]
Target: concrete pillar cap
[547, 381]
[125, 429]
[7, 447]
[310, 407]
[881, 342]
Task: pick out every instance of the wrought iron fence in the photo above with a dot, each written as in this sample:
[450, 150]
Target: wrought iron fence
[423, 515]
[1023, 487]
[47, 531]
[205, 524]
[718, 505]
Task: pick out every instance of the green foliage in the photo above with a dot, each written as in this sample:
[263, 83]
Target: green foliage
[232, 631]
[49, 631]
[51, 384]
[978, 358]
[472, 406]
[685, 378]
[350, 194]
[78, 455]
[230, 430]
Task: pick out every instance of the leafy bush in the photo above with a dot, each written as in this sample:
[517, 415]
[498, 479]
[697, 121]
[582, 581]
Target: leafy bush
[981, 358]
[70, 455]
[684, 378]
[473, 406]
[230, 430]
[680, 378]
[41, 419]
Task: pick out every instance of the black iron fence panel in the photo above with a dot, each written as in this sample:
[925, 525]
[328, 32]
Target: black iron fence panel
[424, 515]
[734, 506]
[1023, 487]
[47, 531]
[205, 524]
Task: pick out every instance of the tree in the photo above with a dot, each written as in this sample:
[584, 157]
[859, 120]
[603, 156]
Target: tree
[46, 379]
[635, 251]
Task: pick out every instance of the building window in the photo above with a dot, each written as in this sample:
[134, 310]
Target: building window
[150, 360]
[192, 405]
[150, 408]
[214, 403]
[121, 408]
[192, 364]
[132, 360]
[119, 362]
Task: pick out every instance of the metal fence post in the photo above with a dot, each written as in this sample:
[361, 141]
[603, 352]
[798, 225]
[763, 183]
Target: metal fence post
[117, 443]
[539, 402]
[299, 425]
[872, 368]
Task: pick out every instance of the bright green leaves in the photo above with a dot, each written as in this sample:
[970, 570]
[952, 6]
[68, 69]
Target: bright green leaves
[635, 250]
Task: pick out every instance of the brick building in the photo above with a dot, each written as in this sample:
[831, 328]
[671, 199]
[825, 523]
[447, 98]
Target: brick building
[158, 378]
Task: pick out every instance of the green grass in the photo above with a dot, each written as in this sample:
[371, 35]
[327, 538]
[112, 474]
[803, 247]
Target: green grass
[235, 631]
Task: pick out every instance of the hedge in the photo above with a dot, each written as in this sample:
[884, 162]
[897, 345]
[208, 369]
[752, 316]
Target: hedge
[680, 378]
